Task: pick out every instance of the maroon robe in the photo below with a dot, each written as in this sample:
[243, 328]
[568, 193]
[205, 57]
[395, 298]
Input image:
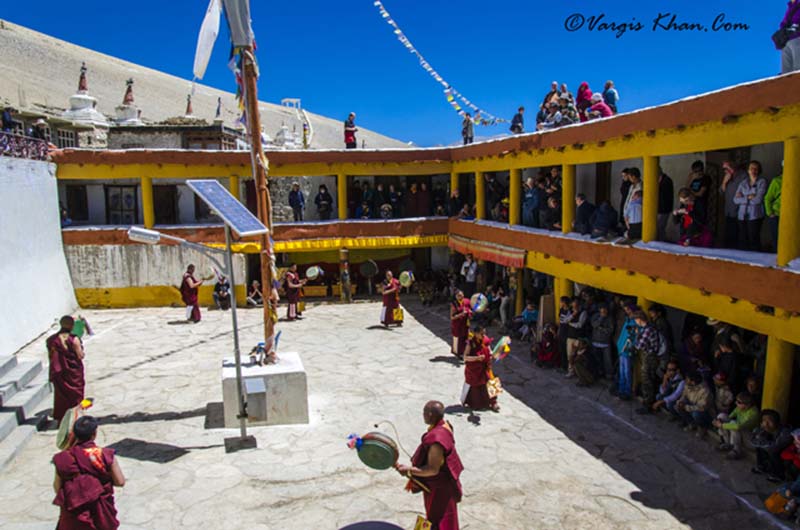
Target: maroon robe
[292, 294]
[391, 301]
[476, 375]
[460, 327]
[445, 488]
[189, 296]
[66, 374]
[86, 496]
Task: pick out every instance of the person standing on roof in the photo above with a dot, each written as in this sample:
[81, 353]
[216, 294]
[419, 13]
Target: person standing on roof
[350, 129]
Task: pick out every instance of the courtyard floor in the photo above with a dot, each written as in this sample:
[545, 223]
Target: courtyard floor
[555, 457]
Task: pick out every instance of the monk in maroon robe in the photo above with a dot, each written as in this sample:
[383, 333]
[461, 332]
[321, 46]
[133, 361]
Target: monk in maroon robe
[478, 364]
[436, 465]
[65, 353]
[391, 300]
[460, 311]
[293, 286]
[189, 287]
[85, 480]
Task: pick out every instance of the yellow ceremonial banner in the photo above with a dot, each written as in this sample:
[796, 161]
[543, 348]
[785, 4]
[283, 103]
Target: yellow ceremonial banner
[422, 524]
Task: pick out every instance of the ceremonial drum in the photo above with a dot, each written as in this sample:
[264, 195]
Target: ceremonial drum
[312, 273]
[406, 278]
[368, 269]
[479, 302]
[378, 451]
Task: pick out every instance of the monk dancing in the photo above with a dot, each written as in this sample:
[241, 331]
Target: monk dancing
[85, 480]
[189, 287]
[293, 286]
[477, 369]
[436, 464]
[391, 300]
[65, 353]
[460, 312]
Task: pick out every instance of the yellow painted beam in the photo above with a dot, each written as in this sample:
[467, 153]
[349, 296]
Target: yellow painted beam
[514, 196]
[749, 129]
[778, 375]
[148, 210]
[480, 196]
[156, 171]
[789, 220]
[335, 243]
[650, 199]
[341, 195]
[234, 187]
[567, 197]
[453, 181]
[149, 296]
[739, 313]
[435, 167]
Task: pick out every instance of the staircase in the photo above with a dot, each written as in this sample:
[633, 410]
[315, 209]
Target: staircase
[24, 393]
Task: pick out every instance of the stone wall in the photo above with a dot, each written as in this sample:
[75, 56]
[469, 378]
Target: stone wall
[280, 187]
[153, 140]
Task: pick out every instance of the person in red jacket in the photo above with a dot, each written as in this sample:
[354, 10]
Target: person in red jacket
[350, 129]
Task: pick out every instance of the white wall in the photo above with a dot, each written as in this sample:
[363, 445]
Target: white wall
[38, 289]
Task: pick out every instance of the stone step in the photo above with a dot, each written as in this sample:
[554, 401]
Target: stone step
[17, 379]
[26, 402]
[7, 363]
[8, 422]
[13, 444]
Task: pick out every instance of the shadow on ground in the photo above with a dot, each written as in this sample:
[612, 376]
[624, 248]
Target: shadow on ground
[156, 452]
[672, 471]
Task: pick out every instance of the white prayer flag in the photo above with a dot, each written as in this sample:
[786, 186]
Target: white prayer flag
[205, 40]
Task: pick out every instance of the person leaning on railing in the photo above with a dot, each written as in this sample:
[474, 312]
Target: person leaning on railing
[787, 38]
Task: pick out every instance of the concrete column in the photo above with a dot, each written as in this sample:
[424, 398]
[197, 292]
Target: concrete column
[453, 181]
[789, 221]
[234, 187]
[778, 375]
[519, 301]
[567, 197]
[148, 210]
[650, 199]
[514, 193]
[480, 196]
[341, 195]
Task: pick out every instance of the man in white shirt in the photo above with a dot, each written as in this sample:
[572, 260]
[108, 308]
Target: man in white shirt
[469, 273]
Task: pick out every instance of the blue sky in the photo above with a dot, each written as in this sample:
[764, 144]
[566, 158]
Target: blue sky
[340, 55]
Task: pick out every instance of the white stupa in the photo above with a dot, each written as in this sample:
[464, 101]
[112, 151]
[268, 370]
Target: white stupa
[83, 106]
[128, 113]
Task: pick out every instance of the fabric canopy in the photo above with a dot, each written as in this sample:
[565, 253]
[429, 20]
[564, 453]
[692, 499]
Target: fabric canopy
[500, 254]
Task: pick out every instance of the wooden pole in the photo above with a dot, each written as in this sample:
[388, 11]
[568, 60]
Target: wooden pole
[264, 203]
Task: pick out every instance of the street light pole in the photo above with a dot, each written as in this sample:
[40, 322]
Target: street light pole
[237, 354]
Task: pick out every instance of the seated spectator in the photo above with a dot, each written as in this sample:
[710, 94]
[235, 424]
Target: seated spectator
[222, 295]
[254, 296]
[694, 405]
[611, 96]
[599, 108]
[582, 364]
[569, 114]
[583, 215]
[583, 100]
[743, 419]
[553, 118]
[791, 457]
[770, 440]
[603, 221]
[723, 396]
[465, 213]
[546, 351]
[633, 216]
[364, 211]
[691, 216]
[541, 114]
[602, 335]
[524, 324]
[670, 390]
[552, 215]
[385, 211]
[753, 387]
[564, 93]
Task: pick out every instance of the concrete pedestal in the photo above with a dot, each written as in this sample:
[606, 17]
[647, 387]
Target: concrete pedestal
[277, 394]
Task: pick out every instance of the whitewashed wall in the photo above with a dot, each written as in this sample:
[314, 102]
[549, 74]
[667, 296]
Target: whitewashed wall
[37, 287]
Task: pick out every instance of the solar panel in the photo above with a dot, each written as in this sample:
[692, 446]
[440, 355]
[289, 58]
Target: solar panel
[227, 207]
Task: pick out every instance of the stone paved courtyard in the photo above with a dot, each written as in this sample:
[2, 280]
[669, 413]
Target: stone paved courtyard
[555, 457]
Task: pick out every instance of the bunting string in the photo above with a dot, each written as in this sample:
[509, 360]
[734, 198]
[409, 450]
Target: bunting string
[459, 103]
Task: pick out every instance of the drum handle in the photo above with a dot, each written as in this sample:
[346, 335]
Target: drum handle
[396, 434]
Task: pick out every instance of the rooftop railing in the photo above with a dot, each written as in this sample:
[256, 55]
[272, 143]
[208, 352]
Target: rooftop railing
[18, 146]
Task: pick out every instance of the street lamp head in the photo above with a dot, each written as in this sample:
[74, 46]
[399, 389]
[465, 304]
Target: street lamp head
[143, 235]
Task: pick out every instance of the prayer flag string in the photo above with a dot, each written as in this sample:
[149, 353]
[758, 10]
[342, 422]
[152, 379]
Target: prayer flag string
[452, 95]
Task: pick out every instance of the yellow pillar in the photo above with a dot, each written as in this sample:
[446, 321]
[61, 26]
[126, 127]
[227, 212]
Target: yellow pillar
[519, 302]
[148, 211]
[453, 181]
[480, 196]
[789, 221]
[341, 195]
[778, 375]
[567, 197]
[514, 193]
[650, 199]
[562, 287]
[234, 187]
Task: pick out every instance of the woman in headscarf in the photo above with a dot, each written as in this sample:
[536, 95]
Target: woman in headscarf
[584, 100]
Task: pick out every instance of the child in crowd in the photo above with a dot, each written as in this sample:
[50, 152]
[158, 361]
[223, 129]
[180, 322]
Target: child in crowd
[723, 396]
[523, 325]
[692, 219]
[547, 349]
[743, 419]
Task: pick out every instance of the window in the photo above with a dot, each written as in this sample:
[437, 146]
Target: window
[65, 138]
[122, 205]
[77, 203]
[165, 204]
[202, 212]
